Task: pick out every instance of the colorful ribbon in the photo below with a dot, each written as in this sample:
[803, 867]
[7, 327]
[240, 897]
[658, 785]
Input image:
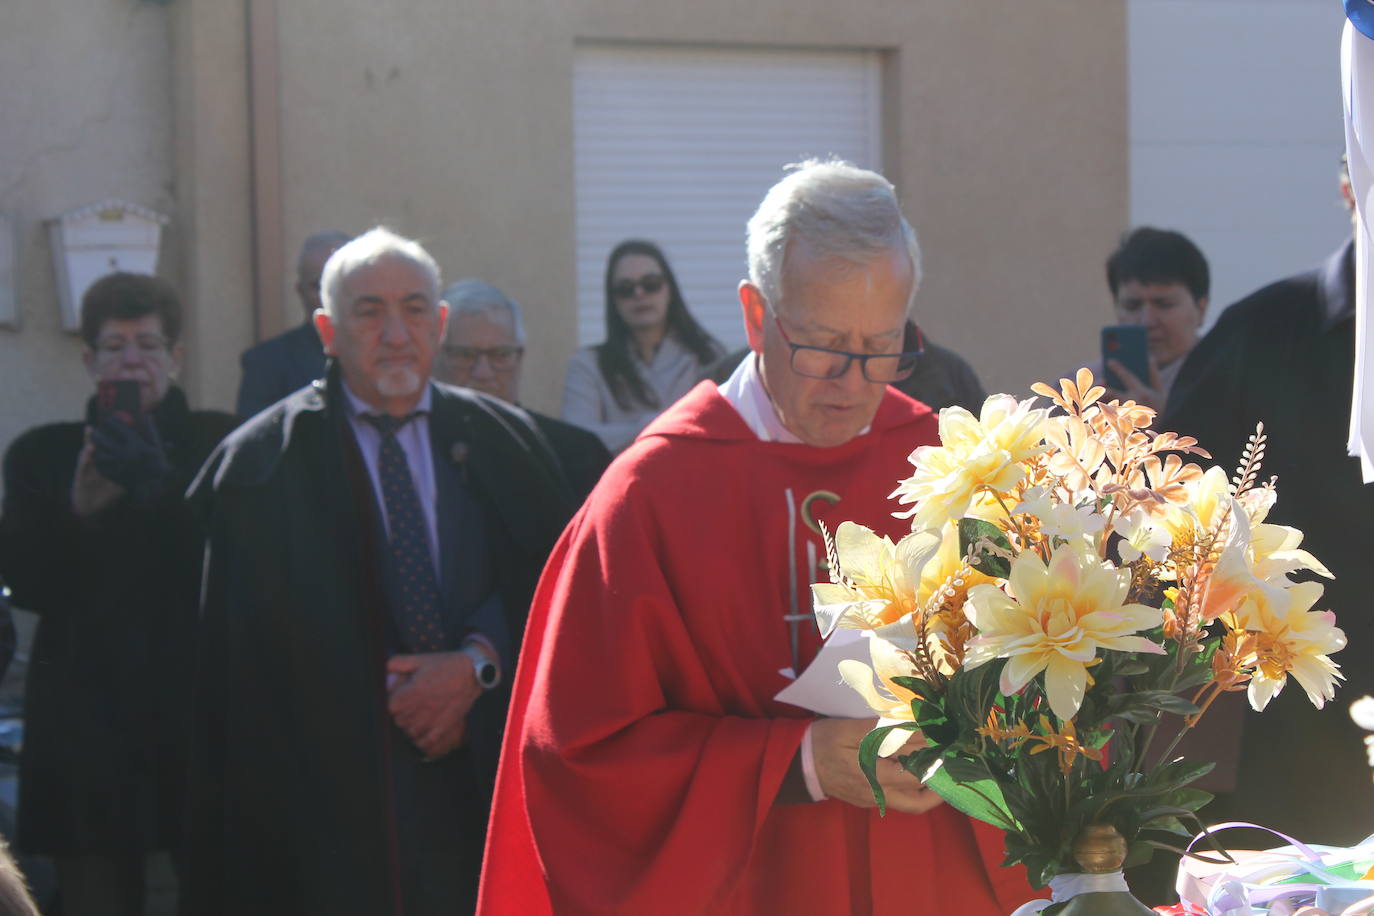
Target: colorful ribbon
[1283, 879]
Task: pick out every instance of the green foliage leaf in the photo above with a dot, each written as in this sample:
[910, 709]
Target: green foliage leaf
[1130, 705]
[1130, 668]
[916, 685]
[868, 759]
[968, 786]
[918, 763]
[992, 549]
[1138, 852]
[1176, 774]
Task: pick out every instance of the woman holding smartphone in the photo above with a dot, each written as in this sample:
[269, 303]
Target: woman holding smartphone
[98, 541]
[654, 351]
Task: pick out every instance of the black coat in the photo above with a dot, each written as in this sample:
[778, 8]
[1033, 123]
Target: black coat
[581, 454]
[1285, 355]
[293, 791]
[102, 765]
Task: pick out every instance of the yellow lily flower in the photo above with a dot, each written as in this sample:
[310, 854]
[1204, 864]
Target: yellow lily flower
[1054, 618]
[1290, 638]
[890, 700]
[984, 453]
[878, 579]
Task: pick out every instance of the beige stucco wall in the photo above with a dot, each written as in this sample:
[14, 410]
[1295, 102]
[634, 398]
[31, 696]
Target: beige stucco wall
[1006, 135]
[85, 91]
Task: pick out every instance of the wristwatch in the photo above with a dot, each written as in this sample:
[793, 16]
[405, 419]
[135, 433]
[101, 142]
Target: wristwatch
[483, 668]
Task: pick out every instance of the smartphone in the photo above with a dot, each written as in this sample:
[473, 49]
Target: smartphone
[118, 398]
[1127, 344]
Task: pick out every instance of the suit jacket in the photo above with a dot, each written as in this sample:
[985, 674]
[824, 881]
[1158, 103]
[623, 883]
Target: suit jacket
[305, 798]
[278, 366]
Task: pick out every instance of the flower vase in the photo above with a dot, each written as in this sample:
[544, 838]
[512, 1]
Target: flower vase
[1100, 851]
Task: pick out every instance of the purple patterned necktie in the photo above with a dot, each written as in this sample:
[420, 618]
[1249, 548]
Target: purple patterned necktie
[414, 589]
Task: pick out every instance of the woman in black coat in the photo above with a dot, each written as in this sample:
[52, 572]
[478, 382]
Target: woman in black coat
[97, 539]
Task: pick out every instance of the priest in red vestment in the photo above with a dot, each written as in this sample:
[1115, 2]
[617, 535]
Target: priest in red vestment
[647, 767]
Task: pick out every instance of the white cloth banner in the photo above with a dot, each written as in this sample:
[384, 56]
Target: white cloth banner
[1357, 85]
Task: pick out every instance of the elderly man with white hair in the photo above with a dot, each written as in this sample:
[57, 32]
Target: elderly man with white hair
[373, 543]
[484, 349]
[650, 768]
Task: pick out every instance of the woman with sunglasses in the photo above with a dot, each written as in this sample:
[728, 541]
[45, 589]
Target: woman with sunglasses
[654, 351]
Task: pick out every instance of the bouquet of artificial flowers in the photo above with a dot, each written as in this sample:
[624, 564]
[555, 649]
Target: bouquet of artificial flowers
[1071, 586]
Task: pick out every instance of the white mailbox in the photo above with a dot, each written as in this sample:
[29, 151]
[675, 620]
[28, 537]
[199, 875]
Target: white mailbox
[92, 241]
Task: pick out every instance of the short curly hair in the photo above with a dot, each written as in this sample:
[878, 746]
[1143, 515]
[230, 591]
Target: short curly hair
[125, 296]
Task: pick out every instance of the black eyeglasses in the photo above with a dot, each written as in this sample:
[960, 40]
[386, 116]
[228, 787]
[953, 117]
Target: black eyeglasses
[881, 368]
[498, 357]
[625, 288]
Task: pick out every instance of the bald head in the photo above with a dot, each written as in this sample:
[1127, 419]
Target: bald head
[315, 251]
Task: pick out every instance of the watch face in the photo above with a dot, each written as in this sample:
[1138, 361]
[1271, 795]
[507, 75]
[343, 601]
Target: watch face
[486, 675]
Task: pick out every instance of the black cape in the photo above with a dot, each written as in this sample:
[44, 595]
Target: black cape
[293, 807]
[1285, 356]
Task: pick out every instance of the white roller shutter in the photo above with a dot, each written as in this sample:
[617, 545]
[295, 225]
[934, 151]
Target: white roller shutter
[678, 145]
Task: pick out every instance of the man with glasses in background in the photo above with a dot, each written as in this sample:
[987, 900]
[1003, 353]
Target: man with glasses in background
[649, 765]
[96, 539]
[484, 349]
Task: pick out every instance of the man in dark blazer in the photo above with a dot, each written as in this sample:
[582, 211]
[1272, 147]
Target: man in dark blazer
[373, 543]
[278, 366]
[1285, 355]
[484, 349]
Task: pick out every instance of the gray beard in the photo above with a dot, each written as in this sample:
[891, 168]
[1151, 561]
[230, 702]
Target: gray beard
[399, 383]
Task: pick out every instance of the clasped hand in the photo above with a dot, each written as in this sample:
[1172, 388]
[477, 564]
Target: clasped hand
[835, 746]
[429, 697]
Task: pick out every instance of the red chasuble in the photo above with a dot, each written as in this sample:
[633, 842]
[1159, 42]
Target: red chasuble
[644, 747]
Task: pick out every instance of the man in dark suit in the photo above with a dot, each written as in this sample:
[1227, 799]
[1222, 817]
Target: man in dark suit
[1285, 355]
[373, 543]
[484, 349]
[278, 366]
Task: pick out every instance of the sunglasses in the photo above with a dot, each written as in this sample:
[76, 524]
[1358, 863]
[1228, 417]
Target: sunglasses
[625, 288]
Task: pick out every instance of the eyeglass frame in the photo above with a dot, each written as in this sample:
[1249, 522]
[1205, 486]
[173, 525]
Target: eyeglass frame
[513, 353]
[909, 329]
[145, 345]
